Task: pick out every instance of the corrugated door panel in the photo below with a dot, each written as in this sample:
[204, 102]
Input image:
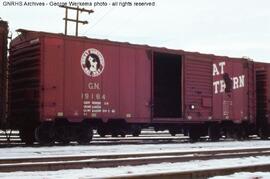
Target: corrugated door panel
[198, 88]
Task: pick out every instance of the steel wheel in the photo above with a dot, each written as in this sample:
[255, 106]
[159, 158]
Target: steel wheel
[62, 135]
[45, 134]
[101, 132]
[214, 132]
[136, 130]
[85, 135]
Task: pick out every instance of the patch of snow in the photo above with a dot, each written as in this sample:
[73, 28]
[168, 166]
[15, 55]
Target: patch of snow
[142, 169]
[245, 175]
[15, 152]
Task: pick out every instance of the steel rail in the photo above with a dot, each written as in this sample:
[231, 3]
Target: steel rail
[134, 155]
[99, 161]
[198, 174]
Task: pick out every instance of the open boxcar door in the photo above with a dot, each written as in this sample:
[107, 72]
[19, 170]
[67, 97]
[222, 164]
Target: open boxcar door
[166, 87]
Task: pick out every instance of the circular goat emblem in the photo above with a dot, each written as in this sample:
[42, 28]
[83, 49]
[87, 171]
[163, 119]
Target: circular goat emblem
[92, 62]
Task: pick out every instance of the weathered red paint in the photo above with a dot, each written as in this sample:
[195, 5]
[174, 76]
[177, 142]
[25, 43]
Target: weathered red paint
[204, 76]
[238, 104]
[263, 93]
[124, 88]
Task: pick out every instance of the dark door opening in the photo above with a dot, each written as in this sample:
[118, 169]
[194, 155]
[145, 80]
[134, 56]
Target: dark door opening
[167, 85]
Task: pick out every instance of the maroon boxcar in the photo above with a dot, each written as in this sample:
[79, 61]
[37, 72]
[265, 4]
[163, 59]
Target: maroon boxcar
[62, 86]
[3, 71]
[263, 98]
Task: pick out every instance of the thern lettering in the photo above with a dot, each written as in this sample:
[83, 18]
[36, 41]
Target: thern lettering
[220, 85]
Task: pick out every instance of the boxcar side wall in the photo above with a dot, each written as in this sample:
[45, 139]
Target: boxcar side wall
[117, 84]
[84, 79]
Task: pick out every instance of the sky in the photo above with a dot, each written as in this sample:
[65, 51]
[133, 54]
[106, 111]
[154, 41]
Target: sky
[225, 27]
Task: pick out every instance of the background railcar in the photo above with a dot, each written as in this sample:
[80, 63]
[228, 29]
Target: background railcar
[3, 71]
[263, 98]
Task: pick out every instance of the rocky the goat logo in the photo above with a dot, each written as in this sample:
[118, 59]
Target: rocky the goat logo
[92, 62]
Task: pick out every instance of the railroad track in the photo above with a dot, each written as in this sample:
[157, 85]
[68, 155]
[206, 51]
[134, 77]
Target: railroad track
[100, 161]
[198, 174]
